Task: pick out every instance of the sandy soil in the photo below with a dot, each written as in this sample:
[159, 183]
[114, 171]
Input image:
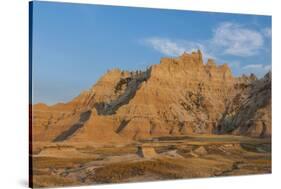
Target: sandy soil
[60, 164]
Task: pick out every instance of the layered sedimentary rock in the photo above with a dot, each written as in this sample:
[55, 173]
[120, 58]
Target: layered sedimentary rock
[249, 113]
[177, 96]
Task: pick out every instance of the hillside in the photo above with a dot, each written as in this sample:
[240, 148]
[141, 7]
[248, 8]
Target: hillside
[178, 96]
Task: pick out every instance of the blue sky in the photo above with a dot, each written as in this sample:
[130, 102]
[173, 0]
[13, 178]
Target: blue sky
[75, 44]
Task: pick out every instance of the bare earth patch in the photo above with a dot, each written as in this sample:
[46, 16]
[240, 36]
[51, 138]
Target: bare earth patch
[168, 158]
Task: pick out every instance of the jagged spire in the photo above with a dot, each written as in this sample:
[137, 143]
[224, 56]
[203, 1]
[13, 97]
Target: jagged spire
[200, 56]
[253, 77]
[211, 62]
[195, 55]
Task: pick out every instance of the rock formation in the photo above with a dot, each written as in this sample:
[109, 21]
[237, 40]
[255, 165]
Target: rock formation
[178, 96]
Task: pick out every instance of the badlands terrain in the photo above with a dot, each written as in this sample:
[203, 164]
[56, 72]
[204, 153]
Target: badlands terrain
[181, 118]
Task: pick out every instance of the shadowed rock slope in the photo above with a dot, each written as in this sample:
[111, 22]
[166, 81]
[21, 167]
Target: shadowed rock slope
[178, 96]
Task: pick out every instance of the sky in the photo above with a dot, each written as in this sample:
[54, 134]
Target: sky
[73, 45]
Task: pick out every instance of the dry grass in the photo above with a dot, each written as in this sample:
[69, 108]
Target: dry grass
[52, 162]
[118, 172]
[109, 151]
[52, 181]
[109, 164]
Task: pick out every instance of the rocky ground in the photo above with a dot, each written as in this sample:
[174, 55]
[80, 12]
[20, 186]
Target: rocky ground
[161, 158]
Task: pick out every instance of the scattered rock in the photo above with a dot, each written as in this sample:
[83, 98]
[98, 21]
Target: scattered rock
[200, 151]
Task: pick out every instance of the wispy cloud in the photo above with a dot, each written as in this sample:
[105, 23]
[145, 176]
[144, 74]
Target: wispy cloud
[251, 66]
[258, 69]
[227, 39]
[165, 46]
[267, 32]
[175, 47]
[267, 67]
[237, 40]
